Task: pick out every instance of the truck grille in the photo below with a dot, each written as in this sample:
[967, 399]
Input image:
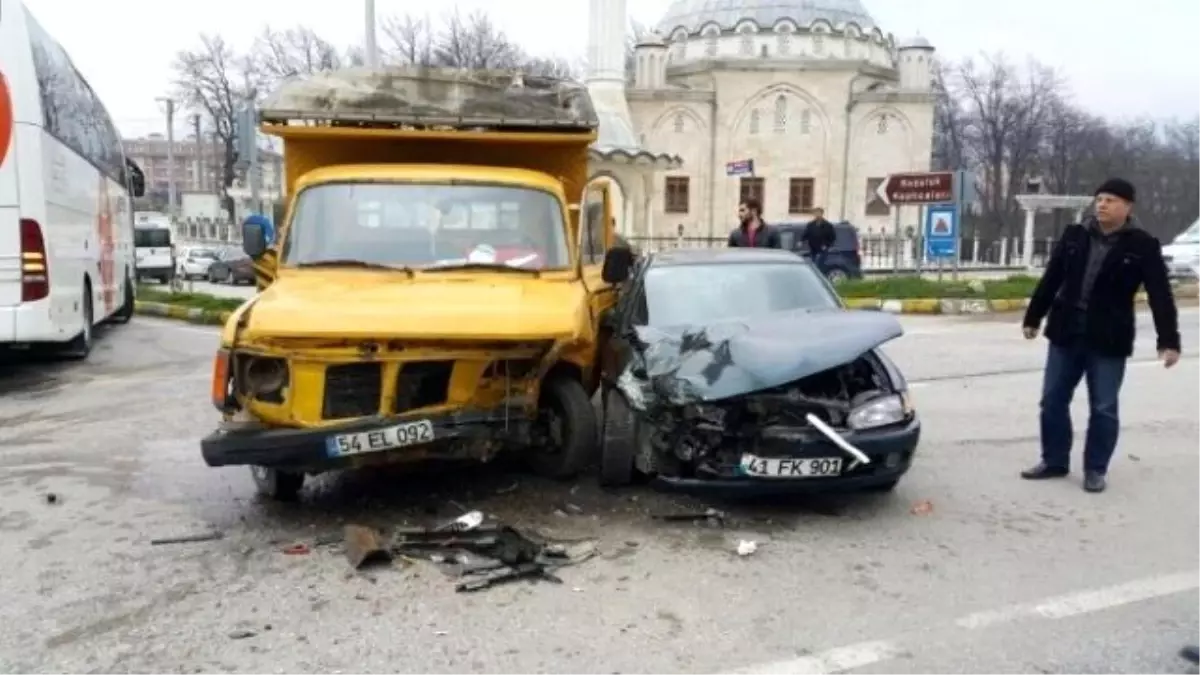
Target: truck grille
[352, 390]
[422, 383]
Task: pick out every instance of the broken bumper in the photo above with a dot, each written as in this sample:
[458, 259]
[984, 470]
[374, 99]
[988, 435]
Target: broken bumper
[468, 434]
[891, 452]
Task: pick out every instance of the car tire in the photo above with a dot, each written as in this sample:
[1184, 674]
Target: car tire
[80, 346]
[277, 484]
[128, 303]
[618, 442]
[570, 441]
[837, 275]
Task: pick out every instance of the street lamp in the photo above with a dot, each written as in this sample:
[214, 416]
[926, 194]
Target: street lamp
[371, 46]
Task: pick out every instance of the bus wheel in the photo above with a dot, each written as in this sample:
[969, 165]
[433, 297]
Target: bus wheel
[79, 348]
[125, 312]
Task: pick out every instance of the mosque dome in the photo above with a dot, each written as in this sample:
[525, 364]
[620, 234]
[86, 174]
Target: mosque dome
[693, 15]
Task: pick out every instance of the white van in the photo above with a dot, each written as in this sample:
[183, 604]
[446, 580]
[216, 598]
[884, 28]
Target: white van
[66, 189]
[154, 246]
[1183, 254]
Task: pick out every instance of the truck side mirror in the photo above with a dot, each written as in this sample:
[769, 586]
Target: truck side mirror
[254, 240]
[618, 261]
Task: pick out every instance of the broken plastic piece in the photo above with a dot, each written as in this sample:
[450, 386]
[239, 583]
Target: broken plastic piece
[464, 523]
[746, 547]
[922, 508]
[296, 549]
[364, 547]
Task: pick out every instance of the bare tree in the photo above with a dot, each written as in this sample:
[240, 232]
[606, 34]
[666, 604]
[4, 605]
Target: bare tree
[279, 55]
[474, 42]
[949, 122]
[216, 81]
[411, 40]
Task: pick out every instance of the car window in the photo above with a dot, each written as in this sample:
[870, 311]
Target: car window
[846, 236]
[699, 294]
[787, 239]
[151, 238]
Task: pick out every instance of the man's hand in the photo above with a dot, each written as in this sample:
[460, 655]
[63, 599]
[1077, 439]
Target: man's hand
[1169, 357]
[1030, 332]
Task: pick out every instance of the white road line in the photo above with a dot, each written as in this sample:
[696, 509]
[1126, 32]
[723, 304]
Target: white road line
[832, 661]
[1087, 601]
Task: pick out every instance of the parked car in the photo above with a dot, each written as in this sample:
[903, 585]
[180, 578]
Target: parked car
[841, 262]
[193, 262]
[1182, 255]
[740, 370]
[232, 266]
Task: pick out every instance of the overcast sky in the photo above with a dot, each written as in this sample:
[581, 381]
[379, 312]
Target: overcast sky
[1123, 59]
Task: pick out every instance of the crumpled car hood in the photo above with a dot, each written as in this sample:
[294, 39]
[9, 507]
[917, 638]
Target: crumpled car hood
[695, 364]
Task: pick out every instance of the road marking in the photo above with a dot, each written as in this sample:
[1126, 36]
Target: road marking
[858, 655]
[832, 661]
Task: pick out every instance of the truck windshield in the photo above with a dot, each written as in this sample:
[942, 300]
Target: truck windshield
[427, 225]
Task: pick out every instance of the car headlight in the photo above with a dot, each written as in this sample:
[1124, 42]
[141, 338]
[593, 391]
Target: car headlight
[879, 412]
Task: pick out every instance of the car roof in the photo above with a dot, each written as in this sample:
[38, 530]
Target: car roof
[724, 256]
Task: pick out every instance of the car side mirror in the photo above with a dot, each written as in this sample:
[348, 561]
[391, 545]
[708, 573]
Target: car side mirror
[618, 261]
[254, 240]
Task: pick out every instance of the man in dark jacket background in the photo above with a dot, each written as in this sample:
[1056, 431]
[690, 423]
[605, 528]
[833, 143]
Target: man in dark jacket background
[752, 232]
[1088, 289]
[819, 236]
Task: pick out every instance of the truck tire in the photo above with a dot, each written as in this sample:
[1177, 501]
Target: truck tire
[571, 429]
[277, 484]
[618, 441]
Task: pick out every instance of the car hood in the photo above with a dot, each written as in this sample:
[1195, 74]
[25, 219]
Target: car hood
[691, 364]
[362, 305]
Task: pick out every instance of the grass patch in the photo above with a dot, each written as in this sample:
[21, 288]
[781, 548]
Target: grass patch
[192, 300]
[911, 287]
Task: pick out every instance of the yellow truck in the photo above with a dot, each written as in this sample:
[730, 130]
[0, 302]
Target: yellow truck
[436, 287]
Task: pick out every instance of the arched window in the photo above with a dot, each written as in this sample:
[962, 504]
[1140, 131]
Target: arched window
[848, 45]
[784, 41]
[883, 124]
[819, 44]
[679, 123]
[747, 43]
[710, 42]
[780, 114]
[755, 121]
[805, 121]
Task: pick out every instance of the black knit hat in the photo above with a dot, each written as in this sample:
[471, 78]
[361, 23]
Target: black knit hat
[1118, 187]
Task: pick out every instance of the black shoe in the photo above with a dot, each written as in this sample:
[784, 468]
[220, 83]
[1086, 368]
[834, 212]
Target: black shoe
[1042, 472]
[1191, 653]
[1094, 482]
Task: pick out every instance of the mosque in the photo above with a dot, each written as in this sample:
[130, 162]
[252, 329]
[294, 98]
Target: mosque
[798, 103]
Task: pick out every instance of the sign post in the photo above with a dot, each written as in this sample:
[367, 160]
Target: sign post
[927, 188]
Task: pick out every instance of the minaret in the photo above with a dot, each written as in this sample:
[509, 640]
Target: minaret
[606, 61]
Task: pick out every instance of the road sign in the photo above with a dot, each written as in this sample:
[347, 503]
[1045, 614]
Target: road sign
[941, 231]
[918, 188]
[741, 167]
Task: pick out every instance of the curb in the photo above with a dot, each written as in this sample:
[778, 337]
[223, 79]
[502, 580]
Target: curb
[972, 305]
[207, 317]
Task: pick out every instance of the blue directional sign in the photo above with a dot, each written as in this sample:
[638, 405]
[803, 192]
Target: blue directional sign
[941, 230]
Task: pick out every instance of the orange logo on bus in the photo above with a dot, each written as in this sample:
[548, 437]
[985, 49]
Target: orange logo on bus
[6, 118]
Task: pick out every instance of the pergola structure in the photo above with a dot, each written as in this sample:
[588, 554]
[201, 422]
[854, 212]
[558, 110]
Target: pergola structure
[1038, 203]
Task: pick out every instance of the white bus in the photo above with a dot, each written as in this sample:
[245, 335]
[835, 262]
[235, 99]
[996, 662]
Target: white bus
[66, 189]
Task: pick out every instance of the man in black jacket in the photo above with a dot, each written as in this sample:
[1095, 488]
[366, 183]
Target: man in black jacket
[819, 236]
[752, 231]
[1088, 289]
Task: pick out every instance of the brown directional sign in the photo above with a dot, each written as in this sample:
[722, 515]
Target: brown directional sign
[918, 188]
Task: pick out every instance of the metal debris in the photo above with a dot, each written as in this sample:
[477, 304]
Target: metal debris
[363, 546]
[709, 514]
[464, 523]
[188, 539]
[242, 634]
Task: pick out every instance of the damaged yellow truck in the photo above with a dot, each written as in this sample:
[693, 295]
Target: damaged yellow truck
[435, 289]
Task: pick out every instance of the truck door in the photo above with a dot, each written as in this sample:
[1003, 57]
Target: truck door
[596, 234]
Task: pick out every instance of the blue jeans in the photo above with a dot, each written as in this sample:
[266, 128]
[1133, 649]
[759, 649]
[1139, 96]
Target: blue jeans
[819, 260]
[1065, 367]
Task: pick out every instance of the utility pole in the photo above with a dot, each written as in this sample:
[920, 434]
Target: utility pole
[170, 103]
[371, 46]
[199, 150]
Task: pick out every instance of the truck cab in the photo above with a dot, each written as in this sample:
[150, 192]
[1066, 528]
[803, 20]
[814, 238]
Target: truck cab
[434, 290]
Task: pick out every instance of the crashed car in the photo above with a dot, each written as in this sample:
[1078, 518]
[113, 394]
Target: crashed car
[741, 370]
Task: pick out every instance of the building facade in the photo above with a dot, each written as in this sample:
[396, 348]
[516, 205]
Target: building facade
[812, 92]
[198, 166]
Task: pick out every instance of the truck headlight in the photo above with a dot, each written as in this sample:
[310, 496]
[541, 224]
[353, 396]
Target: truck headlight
[879, 412]
[264, 378]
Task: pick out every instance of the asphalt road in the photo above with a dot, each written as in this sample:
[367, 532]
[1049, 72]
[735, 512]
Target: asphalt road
[988, 574]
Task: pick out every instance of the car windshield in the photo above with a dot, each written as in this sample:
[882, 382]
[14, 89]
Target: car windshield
[151, 238]
[406, 225]
[698, 294]
[1190, 235]
[203, 253]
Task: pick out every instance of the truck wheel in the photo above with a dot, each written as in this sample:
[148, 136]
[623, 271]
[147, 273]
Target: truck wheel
[618, 442]
[277, 484]
[570, 429]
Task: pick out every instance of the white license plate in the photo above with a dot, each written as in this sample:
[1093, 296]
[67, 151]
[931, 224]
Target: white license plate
[409, 433]
[791, 467]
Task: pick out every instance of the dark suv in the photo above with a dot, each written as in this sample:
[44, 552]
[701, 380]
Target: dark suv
[841, 262]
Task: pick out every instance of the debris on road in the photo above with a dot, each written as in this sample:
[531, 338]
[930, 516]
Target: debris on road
[922, 508]
[746, 547]
[242, 634]
[188, 539]
[464, 523]
[51, 498]
[363, 547]
[711, 515]
[297, 549]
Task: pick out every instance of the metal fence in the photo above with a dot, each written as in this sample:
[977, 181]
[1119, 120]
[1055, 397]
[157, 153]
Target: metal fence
[882, 254]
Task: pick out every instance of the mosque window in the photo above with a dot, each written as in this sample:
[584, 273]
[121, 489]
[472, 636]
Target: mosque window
[780, 114]
[679, 123]
[819, 44]
[747, 43]
[883, 124]
[755, 121]
[806, 121]
[710, 44]
[784, 40]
